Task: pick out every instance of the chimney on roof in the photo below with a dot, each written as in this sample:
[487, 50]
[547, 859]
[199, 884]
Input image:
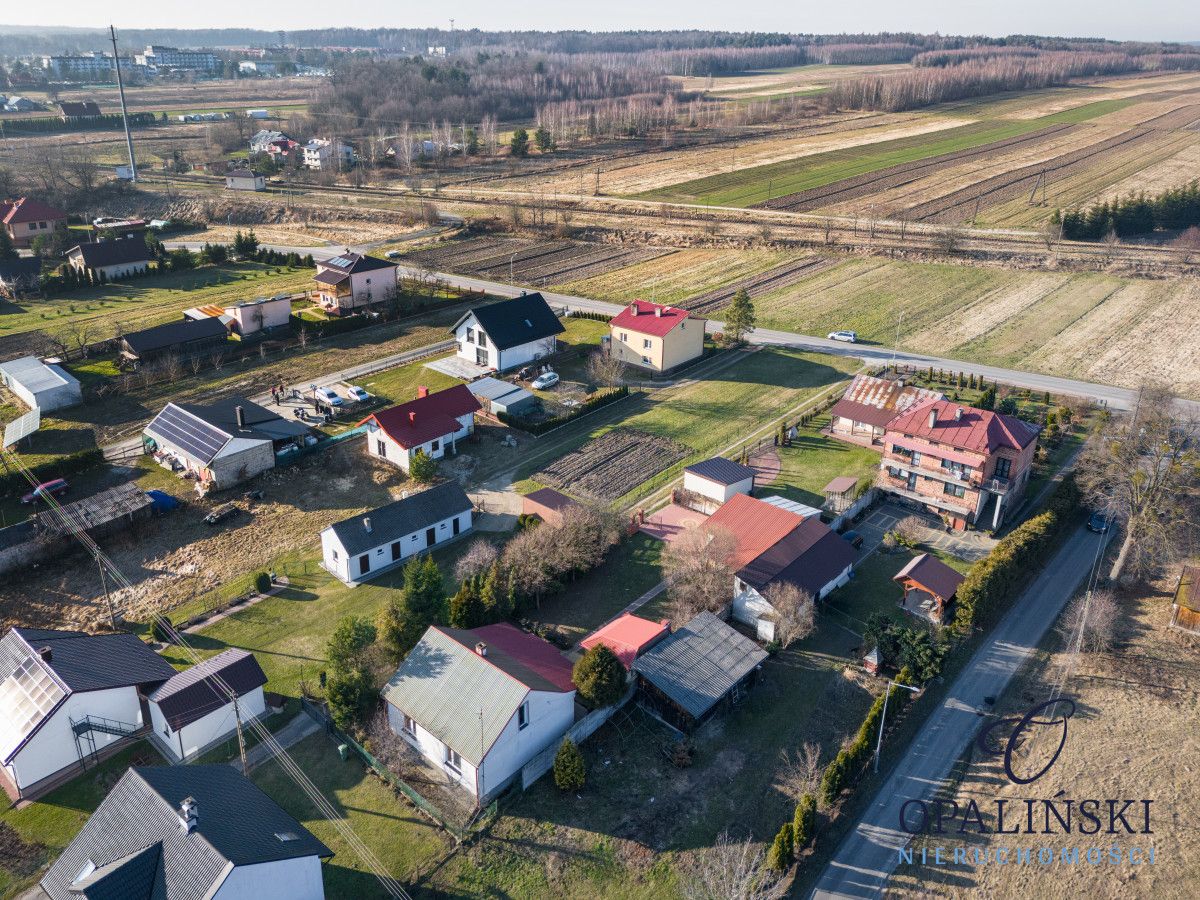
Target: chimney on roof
[240, 412]
[367, 523]
[658, 312]
[46, 654]
[481, 648]
[412, 416]
[189, 814]
[422, 391]
[932, 417]
[957, 413]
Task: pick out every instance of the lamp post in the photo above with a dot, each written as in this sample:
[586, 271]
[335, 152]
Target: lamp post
[510, 265]
[887, 693]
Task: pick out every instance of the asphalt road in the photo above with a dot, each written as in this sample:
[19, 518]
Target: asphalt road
[868, 855]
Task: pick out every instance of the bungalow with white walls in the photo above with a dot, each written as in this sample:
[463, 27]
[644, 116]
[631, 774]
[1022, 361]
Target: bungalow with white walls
[432, 423]
[361, 547]
[193, 710]
[481, 703]
[714, 481]
[511, 333]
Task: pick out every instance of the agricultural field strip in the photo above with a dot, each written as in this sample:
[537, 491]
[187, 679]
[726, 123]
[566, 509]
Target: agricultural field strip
[1010, 184]
[613, 464]
[895, 176]
[776, 278]
[531, 260]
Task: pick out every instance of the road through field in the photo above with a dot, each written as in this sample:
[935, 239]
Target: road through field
[867, 857]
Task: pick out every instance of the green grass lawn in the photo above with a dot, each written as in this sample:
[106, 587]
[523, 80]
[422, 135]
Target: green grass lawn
[402, 839]
[631, 569]
[51, 823]
[814, 459]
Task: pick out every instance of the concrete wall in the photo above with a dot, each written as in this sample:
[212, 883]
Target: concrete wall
[285, 879]
[52, 749]
[227, 471]
[217, 725]
[383, 557]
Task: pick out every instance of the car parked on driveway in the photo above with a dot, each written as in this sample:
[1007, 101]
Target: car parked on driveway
[52, 488]
[545, 381]
[328, 395]
[357, 394]
[848, 337]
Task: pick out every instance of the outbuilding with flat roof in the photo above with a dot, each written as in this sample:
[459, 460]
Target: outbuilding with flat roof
[714, 481]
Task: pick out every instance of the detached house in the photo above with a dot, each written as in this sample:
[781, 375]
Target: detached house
[655, 337]
[245, 180]
[777, 545]
[353, 281]
[361, 547]
[968, 465]
[67, 697]
[870, 403]
[481, 703]
[110, 260]
[508, 334]
[433, 424]
[188, 833]
[24, 219]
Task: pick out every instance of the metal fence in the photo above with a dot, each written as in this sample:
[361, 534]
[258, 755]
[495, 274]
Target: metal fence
[458, 832]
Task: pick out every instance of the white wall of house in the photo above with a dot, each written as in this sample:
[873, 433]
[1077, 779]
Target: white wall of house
[284, 879]
[432, 749]
[715, 490]
[478, 348]
[382, 446]
[217, 725]
[113, 272]
[52, 749]
[551, 713]
[252, 317]
[390, 552]
[753, 609]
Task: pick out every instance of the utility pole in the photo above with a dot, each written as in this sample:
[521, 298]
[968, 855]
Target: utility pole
[237, 715]
[887, 692]
[124, 112]
[896, 344]
[112, 616]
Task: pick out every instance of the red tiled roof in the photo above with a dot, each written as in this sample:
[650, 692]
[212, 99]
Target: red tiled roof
[756, 526]
[535, 654]
[627, 636]
[978, 430]
[426, 418]
[646, 321]
[14, 212]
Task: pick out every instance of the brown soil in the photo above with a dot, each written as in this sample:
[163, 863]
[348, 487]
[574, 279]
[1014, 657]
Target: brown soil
[614, 464]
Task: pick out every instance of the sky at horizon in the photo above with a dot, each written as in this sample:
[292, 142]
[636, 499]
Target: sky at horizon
[1150, 20]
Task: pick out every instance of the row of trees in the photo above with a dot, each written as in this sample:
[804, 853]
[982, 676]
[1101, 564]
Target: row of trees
[1175, 208]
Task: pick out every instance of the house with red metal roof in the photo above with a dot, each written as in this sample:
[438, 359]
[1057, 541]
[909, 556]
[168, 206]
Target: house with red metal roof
[480, 703]
[25, 219]
[775, 545]
[433, 423]
[656, 337]
[870, 403]
[628, 636]
[970, 466]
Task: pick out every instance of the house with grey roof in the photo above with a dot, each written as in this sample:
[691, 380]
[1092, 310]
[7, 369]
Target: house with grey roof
[188, 833]
[361, 547]
[706, 664]
[711, 482]
[109, 260]
[511, 333]
[196, 709]
[44, 386]
[68, 698]
[480, 703]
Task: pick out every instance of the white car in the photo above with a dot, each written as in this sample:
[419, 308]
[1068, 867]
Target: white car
[849, 337]
[328, 396]
[357, 394]
[542, 382]
[393, 254]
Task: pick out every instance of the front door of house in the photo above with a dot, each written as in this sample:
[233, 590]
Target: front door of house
[430, 537]
[364, 564]
[456, 525]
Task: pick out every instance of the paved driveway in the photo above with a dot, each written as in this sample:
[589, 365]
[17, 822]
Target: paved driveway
[671, 521]
[966, 545]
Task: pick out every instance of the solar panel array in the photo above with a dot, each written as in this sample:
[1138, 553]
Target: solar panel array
[190, 434]
[22, 427]
[27, 692]
[341, 262]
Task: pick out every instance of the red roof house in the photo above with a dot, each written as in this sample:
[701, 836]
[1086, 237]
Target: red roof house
[628, 636]
[430, 423]
[656, 337]
[756, 526]
[24, 219]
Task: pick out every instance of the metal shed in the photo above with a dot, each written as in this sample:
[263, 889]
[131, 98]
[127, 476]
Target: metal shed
[43, 386]
[497, 396]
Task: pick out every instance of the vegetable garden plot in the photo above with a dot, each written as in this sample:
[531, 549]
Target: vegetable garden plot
[613, 465]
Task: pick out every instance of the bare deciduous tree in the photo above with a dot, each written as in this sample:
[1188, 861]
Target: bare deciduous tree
[800, 770]
[605, 369]
[732, 870]
[1089, 622]
[1145, 471]
[697, 569]
[795, 614]
[478, 558]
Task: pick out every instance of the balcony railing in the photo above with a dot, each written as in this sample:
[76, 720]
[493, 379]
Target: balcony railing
[998, 485]
[899, 486]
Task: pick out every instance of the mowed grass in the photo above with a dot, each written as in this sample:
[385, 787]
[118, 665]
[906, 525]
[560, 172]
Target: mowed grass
[814, 459]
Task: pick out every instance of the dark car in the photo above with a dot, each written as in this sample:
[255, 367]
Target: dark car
[54, 488]
[855, 539]
[1099, 523]
[221, 513]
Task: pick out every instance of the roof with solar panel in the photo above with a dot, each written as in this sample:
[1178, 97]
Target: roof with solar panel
[351, 263]
[204, 432]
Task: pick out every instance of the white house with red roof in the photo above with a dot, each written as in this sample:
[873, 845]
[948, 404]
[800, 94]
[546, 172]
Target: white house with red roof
[433, 423]
[968, 465]
[25, 219]
[480, 703]
[656, 337]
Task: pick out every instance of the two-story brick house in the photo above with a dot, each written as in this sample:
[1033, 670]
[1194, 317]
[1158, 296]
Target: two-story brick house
[968, 465]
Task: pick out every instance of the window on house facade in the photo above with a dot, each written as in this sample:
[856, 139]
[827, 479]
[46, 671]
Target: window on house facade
[433, 447]
[645, 360]
[1003, 467]
[523, 715]
[624, 337]
[470, 335]
[410, 724]
[381, 447]
[453, 760]
[646, 343]
[954, 490]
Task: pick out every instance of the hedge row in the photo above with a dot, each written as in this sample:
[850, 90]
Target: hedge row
[17, 483]
[992, 582]
[588, 314]
[843, 772]
[597, 400]
[49, 124]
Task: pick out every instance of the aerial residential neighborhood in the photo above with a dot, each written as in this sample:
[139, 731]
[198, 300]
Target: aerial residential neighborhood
[680, 453]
